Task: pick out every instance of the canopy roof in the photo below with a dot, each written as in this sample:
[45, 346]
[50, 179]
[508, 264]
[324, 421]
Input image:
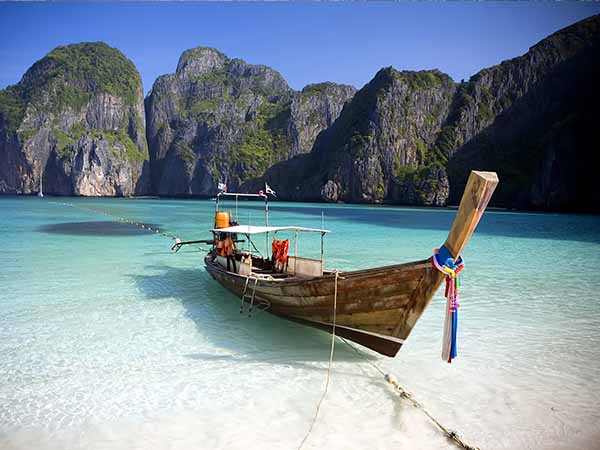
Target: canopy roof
[239, 194]
[251, 229]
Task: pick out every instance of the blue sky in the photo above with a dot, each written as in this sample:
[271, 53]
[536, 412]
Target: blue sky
[306, 42]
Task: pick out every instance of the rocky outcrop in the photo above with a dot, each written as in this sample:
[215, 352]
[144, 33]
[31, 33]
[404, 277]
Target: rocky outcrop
[314, 109]
[413, 137]
[531, 119]
[379, 149]
[218, 119]
[76, 118]
[214, 120]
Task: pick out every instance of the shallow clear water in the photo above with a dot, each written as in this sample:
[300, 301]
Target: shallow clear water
[109, 341]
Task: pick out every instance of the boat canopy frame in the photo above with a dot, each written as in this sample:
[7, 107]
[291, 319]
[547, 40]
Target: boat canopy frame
[248, 230]
[237, 195]
[255, 229]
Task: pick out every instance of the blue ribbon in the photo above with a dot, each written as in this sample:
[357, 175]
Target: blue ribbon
[445, 258]
[453, 352]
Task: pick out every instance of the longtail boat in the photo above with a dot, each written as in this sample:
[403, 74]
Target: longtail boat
[376, 308]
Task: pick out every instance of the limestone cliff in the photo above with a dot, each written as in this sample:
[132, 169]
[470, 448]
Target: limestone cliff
[413, 137]
[533, 120]
[379, 149]
[314, 109]
[218, 119]
[77, 116]
[77, 119]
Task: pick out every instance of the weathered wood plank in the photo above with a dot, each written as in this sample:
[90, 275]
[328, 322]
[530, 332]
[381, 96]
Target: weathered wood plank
[478, 192]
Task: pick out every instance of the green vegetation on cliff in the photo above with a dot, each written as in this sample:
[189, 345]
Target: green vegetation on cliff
[318, 89]
[422, 79]
[64, 143]
[120, 143]
[198, 52]
[67, 77]
[12, 107]
[264, 142]
[86, 67]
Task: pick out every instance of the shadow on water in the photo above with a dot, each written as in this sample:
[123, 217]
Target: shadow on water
[260, 338]
[98, 228]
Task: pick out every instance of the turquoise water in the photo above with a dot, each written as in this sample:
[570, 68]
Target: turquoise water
[109, 341]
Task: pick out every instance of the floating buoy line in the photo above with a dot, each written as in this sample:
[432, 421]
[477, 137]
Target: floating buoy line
[141, 225]
[389, 377]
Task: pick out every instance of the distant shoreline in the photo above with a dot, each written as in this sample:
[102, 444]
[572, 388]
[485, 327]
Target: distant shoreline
[383, 205]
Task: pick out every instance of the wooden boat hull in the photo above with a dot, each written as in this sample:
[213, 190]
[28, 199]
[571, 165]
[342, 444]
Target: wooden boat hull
[376, 308]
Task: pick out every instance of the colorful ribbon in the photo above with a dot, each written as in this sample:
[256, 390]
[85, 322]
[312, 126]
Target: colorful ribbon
[443, 261]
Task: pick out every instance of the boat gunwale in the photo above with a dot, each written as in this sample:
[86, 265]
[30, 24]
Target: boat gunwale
[413, 265]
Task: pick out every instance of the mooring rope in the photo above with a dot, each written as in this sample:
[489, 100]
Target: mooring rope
[314, 420]
[391, 379]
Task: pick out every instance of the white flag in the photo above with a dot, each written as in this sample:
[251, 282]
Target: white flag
[222, 187]
[268, 190]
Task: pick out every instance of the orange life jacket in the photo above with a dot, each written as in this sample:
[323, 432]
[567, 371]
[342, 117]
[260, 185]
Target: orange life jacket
[280, 253]
[225, 247]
